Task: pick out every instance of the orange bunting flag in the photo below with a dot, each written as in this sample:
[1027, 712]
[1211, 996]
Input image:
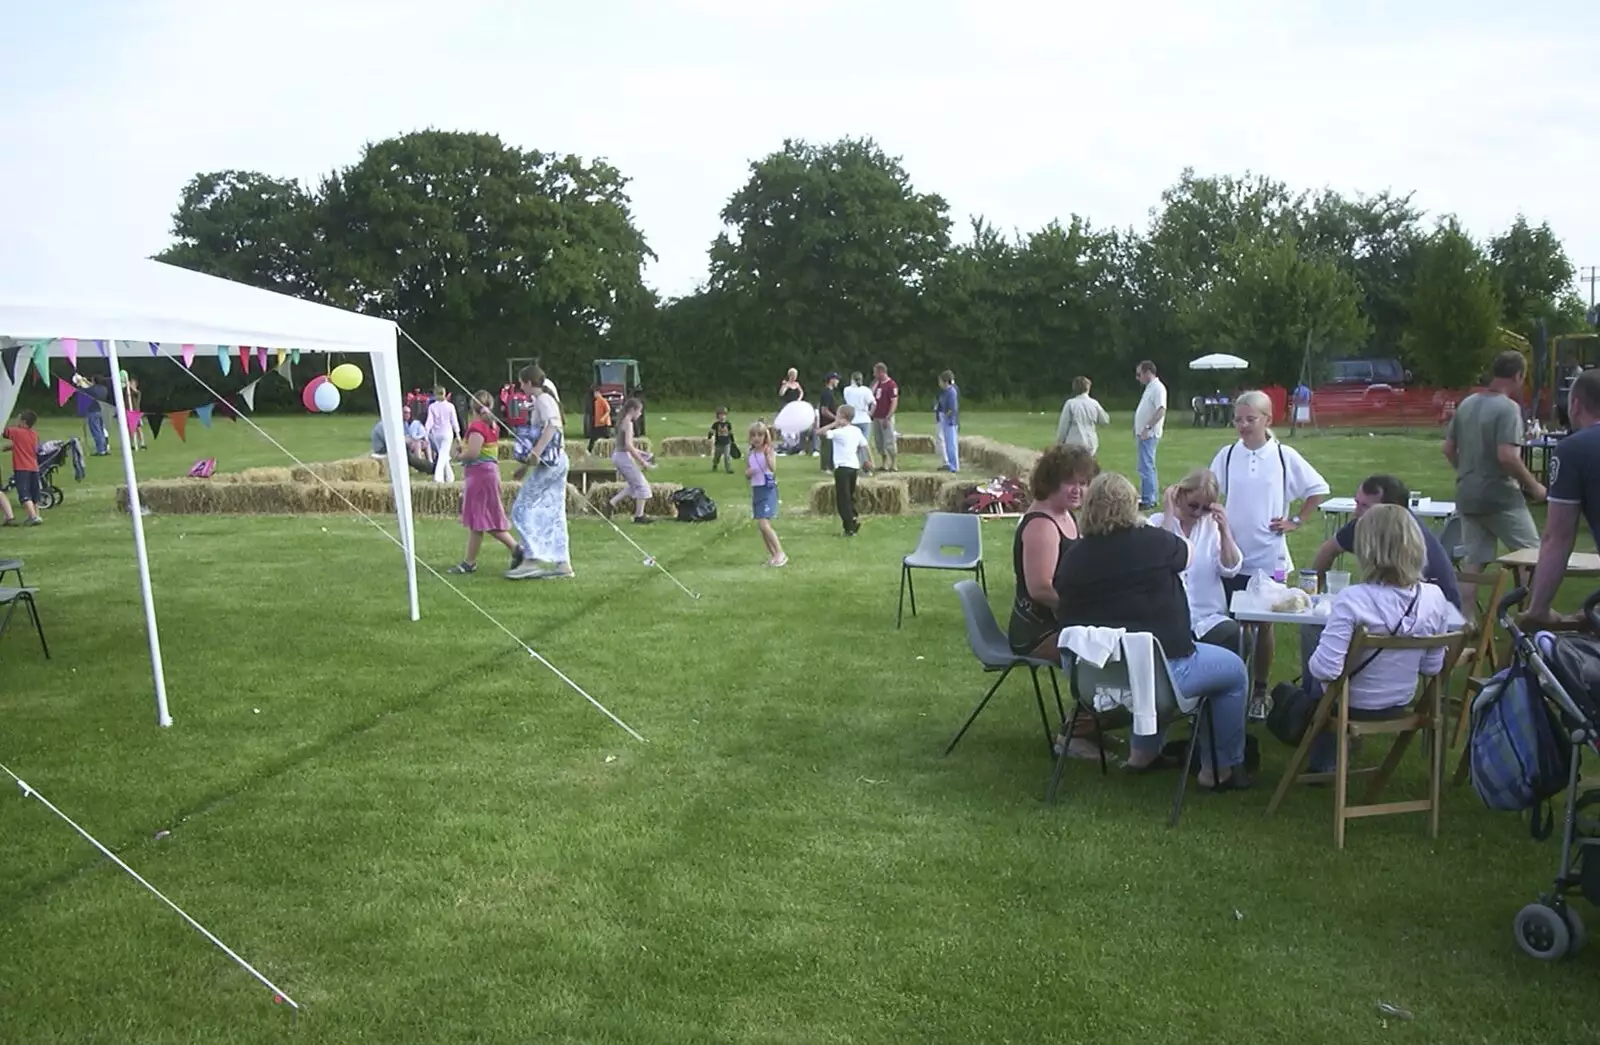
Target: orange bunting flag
[179, 418]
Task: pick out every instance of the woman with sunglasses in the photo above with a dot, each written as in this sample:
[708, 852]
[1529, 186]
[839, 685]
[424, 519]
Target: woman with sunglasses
[1194, 511]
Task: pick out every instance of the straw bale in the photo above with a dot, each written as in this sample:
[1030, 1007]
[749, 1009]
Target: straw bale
[660, 502]
[349, 470]
[993, 458]
[873, 497]
[577, 446]
[914, 444]
[685, 446]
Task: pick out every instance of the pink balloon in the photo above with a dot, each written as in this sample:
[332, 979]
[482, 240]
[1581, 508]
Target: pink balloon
[308, 395]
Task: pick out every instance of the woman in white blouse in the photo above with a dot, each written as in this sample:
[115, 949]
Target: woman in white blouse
[1392, 599]
[1194, 511]
[1261, 481]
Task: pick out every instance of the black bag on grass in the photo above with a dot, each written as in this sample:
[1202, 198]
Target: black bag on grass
[694, 506]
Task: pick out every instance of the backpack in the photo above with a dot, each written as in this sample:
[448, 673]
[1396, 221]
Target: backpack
[694, 506]
[203, 468]
[1519, 755]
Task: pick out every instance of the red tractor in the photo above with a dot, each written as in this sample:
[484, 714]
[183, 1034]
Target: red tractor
[615, 382]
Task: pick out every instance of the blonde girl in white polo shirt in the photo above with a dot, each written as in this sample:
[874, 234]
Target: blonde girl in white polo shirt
[1262, 480]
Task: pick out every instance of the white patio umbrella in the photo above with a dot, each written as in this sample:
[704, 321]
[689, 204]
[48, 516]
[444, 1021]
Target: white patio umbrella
[1219, 361]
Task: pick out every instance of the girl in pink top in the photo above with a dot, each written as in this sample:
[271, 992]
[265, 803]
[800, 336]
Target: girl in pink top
[764, 491]
[443, 429]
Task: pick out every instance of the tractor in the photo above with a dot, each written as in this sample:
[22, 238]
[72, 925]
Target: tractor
[615, 382]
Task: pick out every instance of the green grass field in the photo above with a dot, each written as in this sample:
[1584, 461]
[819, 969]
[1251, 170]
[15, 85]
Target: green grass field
[423, 836]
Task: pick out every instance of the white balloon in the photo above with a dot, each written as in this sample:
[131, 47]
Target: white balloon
[795, 418]
[326, 397]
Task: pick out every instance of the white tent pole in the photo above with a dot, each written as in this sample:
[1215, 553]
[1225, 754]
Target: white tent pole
[386, 382]
[136, 510]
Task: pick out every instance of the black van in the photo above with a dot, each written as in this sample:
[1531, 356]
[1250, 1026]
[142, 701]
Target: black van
[1367, 372]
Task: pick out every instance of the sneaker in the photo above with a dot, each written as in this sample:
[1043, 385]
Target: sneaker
[1257, 711]
[9, 522]
[33, 521]
[562, 573]
[642, 520]
[524, 570]
[463, 567]
[780, 561]
[516, 559]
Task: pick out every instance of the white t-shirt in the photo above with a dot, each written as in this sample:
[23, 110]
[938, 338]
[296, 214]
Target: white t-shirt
[1258, 486]
[552, 413]
[1154, 398]
[1208, 603]
[848, 442]
[860, 397]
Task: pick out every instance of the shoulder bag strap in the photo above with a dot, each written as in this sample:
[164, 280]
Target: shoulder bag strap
[1392, 632]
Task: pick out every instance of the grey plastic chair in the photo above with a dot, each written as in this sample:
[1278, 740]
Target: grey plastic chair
[11, 566]
[949, 541]
[10, 598]
[1085, 679]
[1452, 539]
[993, 650]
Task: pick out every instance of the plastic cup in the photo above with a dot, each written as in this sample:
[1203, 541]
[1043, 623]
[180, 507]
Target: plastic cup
[1338, 580]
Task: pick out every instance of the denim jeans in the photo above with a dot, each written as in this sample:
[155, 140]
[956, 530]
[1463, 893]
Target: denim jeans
[97, 432]
[1219, 675]
[951, 432]
[1149, 491]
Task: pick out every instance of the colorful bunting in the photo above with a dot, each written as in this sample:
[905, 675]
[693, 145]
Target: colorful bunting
[155, 424]
[179, 419]
[101, 345]
[282, 355]
[224, 360]
[204, 414]
[244, 357]
[64, 392]
[285, 369]
[155, 348]
[261, 358]
[188, 355]
[8, 356]
[41, 360]
[294, 355]
[248, 394]
[69, 348]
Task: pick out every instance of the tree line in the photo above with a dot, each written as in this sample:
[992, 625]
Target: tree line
[830, 257]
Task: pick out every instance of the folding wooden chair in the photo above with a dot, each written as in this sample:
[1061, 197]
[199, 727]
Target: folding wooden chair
[1333, 714]
[10, 598]
[1478, 656]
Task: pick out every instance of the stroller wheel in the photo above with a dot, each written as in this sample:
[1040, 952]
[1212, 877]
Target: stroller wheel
[49, 497]
[1542, 933]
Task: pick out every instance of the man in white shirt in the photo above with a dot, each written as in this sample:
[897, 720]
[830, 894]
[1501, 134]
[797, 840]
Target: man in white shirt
[859, 396]
[1149, 422]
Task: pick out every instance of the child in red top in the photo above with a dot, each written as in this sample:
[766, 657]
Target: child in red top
[482, 511]
[24, 465]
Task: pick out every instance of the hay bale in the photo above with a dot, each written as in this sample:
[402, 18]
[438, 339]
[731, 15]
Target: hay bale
[577, 446]
[685, 446]
[915, 444]
[254, 475]
[660, 502]
[923, 487]
[349, 470]
[604, 447]
[873, 497]
[992, 458]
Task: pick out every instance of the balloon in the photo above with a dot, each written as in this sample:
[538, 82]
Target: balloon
[308, 395]
[326, 397]
[346, 377]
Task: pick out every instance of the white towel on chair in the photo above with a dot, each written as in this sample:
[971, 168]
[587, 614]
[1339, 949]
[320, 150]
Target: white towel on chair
[1100, 646]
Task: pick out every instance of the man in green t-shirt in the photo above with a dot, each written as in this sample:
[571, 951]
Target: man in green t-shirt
[1484, 446]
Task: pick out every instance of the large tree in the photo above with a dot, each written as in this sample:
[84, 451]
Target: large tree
[1455, 309]
[484, 250]
[1534, 275]
[247, 227]
[824, 253]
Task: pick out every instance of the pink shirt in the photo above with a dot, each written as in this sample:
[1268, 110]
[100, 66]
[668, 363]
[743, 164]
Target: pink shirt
[442, 419]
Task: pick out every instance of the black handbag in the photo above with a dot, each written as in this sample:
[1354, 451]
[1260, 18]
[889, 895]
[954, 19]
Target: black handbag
[1293, 708]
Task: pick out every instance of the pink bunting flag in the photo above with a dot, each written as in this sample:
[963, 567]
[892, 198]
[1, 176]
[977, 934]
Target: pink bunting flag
[63, 392]
[224, 360]
[188, 355]
[69, 348]
[261, 358]
[244, 357]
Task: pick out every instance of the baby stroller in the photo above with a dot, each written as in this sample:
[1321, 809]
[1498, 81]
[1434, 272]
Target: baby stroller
[53, 453]
[1566, 667]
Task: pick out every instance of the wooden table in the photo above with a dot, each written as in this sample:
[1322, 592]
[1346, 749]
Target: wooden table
[1521, 564]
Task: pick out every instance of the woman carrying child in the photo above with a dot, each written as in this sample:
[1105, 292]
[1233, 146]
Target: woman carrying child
[759, 463]
[481, 509]
[631, 462]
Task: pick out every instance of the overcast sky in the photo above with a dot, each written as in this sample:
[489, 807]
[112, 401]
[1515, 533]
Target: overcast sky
[1021, 112]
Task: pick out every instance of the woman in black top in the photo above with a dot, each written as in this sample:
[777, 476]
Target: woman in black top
[789, 390]
[1124, 574]
[1046, 531]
